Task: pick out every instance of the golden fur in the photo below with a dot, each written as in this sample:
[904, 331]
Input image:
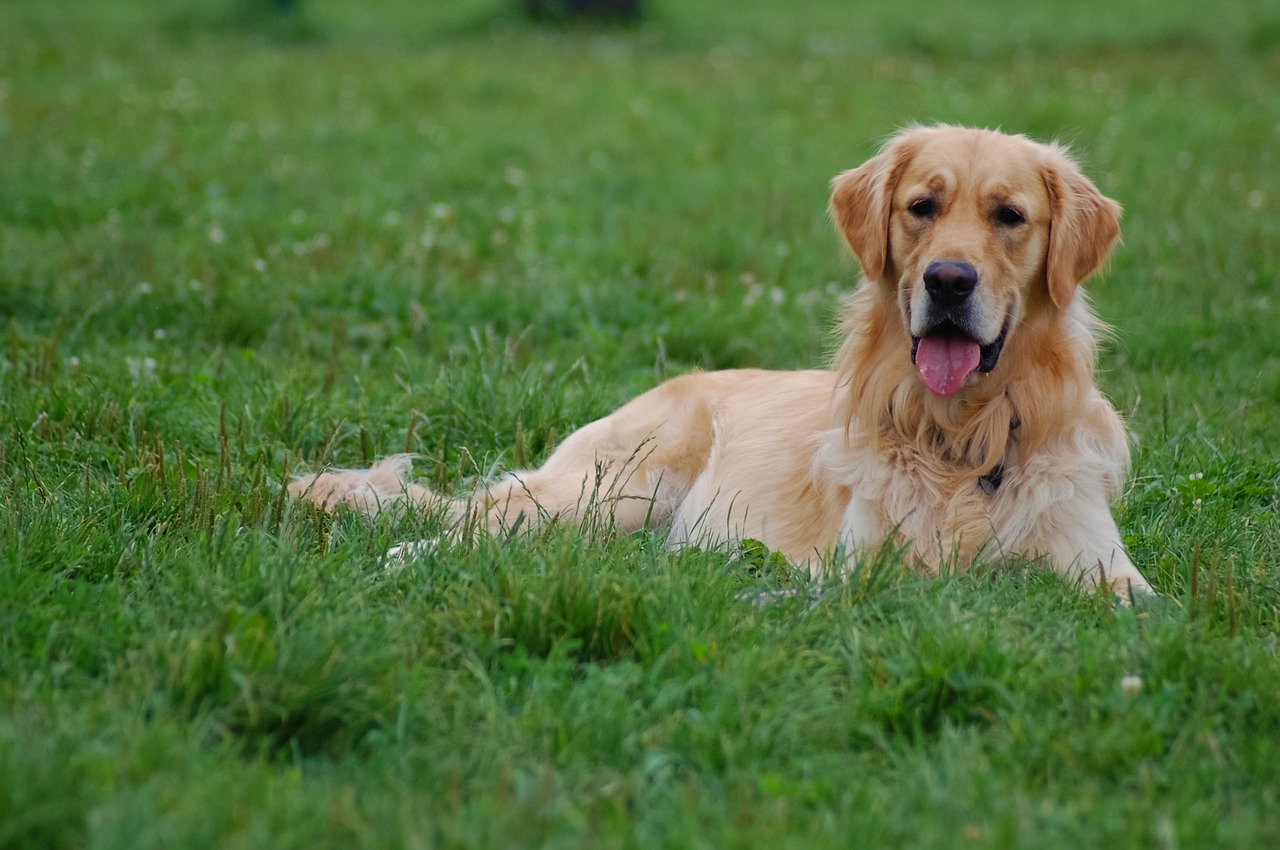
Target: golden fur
[1022, 459]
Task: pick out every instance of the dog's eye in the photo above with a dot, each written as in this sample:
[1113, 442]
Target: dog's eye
[922, 208]
[1009, 216]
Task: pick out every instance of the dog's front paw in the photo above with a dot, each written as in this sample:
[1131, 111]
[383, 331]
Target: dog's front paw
[1129, 592]
[410, 549]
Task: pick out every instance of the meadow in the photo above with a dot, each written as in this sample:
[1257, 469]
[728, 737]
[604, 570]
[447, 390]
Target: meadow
[235, 246]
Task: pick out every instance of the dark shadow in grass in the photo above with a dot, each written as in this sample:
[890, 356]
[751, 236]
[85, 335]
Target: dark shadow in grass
[44, 791]
[280, 691]
[1264, 35]
[513, 18]
[281, 22]
[564, 607]
[932, 674]
[580, 11]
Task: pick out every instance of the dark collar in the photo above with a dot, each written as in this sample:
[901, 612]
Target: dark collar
[991, 482]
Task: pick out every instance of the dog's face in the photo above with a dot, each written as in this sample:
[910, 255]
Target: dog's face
[970, 230]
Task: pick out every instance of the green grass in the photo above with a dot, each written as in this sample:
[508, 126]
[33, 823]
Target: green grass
[232, 247]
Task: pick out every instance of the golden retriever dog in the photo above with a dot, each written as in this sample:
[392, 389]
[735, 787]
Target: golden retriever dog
[960, 419]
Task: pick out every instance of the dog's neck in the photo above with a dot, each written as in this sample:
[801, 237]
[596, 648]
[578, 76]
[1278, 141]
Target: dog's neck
[1033, 395]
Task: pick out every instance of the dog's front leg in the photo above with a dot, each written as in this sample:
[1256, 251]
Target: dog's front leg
[1083, 542]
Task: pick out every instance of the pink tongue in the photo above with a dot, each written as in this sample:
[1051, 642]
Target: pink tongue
[945, 361]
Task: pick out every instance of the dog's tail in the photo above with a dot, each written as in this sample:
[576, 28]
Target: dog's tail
[382, 487]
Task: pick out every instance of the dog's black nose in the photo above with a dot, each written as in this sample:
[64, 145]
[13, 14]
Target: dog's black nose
[949, 282]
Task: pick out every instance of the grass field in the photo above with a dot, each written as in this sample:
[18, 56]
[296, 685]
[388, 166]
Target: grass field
[234, 247]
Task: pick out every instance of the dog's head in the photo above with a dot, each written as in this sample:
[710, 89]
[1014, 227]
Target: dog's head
[972, 231]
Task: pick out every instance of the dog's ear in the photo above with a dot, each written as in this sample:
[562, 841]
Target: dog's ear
[1084, 226]
[862, 199]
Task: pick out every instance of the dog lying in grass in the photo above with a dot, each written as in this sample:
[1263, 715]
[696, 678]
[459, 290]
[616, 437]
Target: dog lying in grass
[960, 419]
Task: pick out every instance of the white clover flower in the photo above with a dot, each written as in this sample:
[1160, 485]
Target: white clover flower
[141, 367]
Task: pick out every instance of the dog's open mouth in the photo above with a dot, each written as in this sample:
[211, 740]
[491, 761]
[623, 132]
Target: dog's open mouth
[946, 356]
